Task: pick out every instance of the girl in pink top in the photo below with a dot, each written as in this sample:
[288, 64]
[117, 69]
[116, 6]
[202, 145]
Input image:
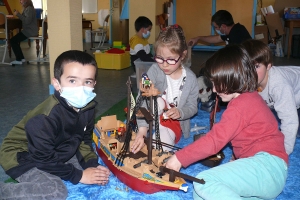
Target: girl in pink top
[260, 168]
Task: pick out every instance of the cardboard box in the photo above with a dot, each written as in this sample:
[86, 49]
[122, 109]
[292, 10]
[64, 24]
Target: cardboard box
[261, 33]
[112, 61]
[140, 68]
[274, 23]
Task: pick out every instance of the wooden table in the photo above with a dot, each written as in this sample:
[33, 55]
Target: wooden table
[87, 24]
[291, 24]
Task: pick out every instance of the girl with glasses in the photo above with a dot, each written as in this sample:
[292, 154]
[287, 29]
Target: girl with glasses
[177, 85]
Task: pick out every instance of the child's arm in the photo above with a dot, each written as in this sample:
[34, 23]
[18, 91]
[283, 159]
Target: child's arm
[90, 158]
[139, 140]
[173, 163]
[285, 106]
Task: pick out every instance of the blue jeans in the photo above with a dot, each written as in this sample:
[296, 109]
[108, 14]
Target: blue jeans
[262, 176]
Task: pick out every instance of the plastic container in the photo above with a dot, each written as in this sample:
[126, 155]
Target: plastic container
[112, 61]
[140, 68]
[39, 12]
[88, 36]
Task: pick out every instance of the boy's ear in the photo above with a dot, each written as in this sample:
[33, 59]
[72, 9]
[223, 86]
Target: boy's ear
[55, 84]
[269, 66]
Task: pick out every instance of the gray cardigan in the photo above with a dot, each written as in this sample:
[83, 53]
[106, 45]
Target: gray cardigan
[29, 22]
[188, 105]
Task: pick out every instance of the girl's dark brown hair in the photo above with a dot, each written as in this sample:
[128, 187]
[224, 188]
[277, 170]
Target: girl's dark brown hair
[173, 38]
[231, 71]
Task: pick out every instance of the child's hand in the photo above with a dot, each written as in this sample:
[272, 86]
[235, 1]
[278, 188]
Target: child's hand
[139, 140]
[173, 163]
[173, 113]
[95, 175]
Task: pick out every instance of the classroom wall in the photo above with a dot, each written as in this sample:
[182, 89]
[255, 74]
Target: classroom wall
[64, 28]
[146, 8]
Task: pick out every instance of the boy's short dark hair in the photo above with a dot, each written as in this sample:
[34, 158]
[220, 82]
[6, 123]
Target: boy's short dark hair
[258, 51]
[222, 17]
[142, 22]
[72, 56]
[231, 71]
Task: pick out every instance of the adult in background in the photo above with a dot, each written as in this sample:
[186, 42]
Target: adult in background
[29, 29]
[227, 30]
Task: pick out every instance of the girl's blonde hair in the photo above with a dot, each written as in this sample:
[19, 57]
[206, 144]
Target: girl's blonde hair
[173, 38]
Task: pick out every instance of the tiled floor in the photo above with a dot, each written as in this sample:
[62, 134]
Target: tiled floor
[23, 87]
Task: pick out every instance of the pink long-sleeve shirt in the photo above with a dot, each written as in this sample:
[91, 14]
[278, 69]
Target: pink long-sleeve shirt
[248, 124]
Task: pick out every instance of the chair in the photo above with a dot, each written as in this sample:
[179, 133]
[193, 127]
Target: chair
[3, 27]
[101, 32]
[40, 41]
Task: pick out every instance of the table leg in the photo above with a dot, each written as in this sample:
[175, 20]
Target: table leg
[290, 38]
[44, 47]
[10, 35]
[37, 47]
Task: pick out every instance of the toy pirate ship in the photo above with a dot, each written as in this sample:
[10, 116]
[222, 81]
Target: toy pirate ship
[143, 171]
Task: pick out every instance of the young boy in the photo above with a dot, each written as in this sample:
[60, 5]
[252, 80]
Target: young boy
[53, 141]
[280, 88]
[139, 46]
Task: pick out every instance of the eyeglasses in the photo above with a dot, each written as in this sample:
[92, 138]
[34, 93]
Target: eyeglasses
[169, 61]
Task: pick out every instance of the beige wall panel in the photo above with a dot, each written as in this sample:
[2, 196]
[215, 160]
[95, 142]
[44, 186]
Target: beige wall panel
[147, 8]
[64, 28]
[194, 17]
[241, 11]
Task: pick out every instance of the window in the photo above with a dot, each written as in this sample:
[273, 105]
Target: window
[37, 3]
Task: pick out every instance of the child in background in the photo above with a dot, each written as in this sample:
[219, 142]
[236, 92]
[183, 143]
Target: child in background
[260, 168]
[139, 46]
[280, 88]
[53, 141]
[177, 85]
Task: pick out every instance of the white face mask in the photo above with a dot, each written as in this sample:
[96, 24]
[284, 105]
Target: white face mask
[219, 32]
[78, 97]
[146, 35]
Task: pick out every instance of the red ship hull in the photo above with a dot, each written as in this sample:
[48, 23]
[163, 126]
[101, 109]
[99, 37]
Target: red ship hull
[132, 182]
